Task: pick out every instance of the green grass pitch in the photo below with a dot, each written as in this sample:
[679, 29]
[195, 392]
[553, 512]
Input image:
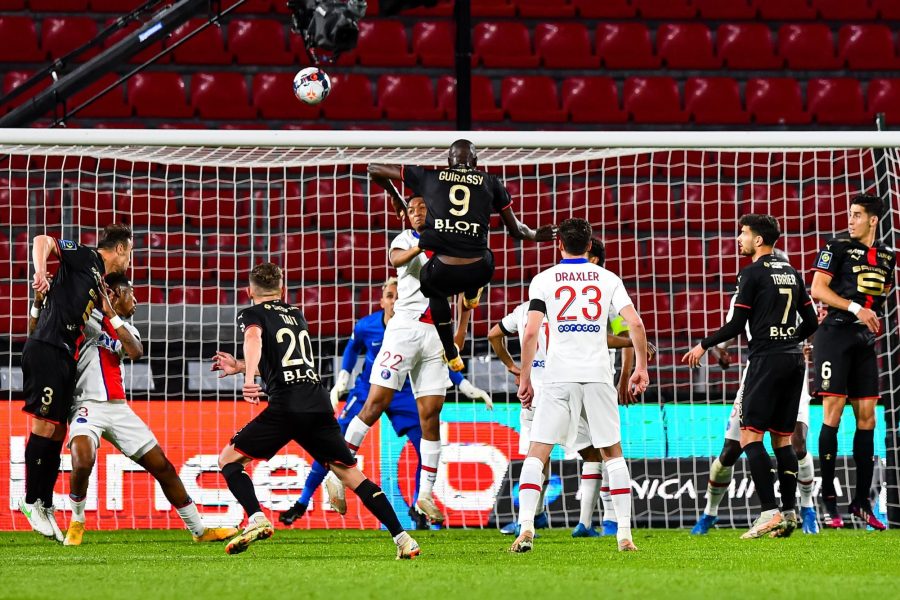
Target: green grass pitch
[454, 564]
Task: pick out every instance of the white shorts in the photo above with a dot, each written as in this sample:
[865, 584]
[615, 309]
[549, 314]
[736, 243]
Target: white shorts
[114, 422]
[733, 428]
[564, 407]
[526, 418]
[411, 349]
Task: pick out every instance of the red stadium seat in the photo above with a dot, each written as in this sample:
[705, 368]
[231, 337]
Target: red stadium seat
[14, 79]
[11, 5]
[221, 95]
[531, 99]
[484, 107]
[651, 206]
[306, 259]
[443, 8]
[173, 268]
[785, 10]
[110, 105]
[747, 46]
[656, 312]
[836, 101]
[679, 259]
[59, 36]
[564, 46]
[884, 97]
[13, 203]
[152, 206]
[867, 47]
[19, 41]
[493, 8]
[887, 9]
[255, 6]
[625, 46]
[58, 5]
[229, 269]
[714, 100]
[362, 257]
[408, 98]
[327, 309]
[206, 47]
[653, 100]
[504, 44]
[351, 99]
[841, 10]
[807, 46]
[214, 209]
[592, 100]
[15, 297]
[273, 97]
[337, 203]
[529, 197]
[665, 9]
[776, 101]
[206, 296]
[115, 6]
[709, 206]
[507, 266]
[383, 43]
[623, 256]
[545, 9]
[159, 95]
[587, 200]
[608, 9]
[686, 46]
[434, 43]
[778, 199]
[259, 42]
[149, 294]
[93, 207]
[716, 10]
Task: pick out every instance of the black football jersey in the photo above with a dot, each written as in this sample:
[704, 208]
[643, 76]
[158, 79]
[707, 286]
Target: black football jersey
[858, 273]
[773, 292]
[287, 364]
[73, 295]
[460, 202]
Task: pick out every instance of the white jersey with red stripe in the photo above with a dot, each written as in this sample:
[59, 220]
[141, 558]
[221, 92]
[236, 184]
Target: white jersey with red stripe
[99, 369]
[411, 304]
[515, 323]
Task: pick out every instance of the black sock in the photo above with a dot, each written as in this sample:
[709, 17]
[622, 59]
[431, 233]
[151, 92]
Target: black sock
[828, 447]
[51, 473]
[761, 472]
[377, 503]
[443, 322]
[787, 476]
[41, 468]
[864, 457]
[241, 487]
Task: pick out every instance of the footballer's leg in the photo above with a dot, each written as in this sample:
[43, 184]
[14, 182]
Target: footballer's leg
[232, 463]
[720, 474]
[786, 460]
[429, 405]
[531, 481]
[620, 490]
[864, 460]
[805, 479]
[83, 450]
[591, 478]
[832, 408]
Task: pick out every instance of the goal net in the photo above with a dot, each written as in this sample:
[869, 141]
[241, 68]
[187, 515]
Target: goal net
[206, 206]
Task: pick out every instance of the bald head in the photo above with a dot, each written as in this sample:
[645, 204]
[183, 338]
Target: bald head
[462, 154]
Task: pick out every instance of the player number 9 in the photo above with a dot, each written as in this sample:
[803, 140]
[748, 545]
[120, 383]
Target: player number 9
[461, 202]
[826, 369]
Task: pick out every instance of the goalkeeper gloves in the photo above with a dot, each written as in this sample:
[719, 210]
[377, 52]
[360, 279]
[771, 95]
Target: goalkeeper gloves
[474, 393]
[340, 388]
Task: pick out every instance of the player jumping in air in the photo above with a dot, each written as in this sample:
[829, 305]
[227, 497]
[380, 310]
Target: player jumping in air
[278, 347]
[578, 405]
[770, 296]
[853, 277]
[460, 201]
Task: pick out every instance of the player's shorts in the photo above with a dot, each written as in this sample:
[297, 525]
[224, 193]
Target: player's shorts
[769, 399]
[271, 430]
[402, 411]
[526, 419]
[733, 428]
[565, 406]
[440, 280]
[846, 363]
[113, 421]
[411, 349]
[49, 373]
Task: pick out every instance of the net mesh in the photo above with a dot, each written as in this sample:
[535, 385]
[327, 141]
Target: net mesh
[203, 216]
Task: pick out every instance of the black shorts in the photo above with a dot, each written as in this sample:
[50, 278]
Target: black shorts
[440, 280]
[49, 373]
[771, 393]
[271, 430]
[846, 363]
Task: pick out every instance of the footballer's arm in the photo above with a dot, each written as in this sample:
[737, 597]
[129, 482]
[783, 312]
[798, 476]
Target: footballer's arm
[400, 257]
[529, 349]
[640, 379]
[252, 356]
[497, 338]
[520, 231]
[821, 292]
[42, 247]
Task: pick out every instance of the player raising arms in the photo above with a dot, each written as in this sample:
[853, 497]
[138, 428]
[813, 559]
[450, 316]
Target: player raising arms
[460, 201]
[278, 347]
[50, 354]
[577, 391]
[770, 296]
[853, 277]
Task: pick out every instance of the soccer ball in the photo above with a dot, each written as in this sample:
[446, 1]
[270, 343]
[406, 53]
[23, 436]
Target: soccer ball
[311, 85]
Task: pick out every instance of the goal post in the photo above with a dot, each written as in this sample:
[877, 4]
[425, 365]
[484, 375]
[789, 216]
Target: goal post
[207, 205]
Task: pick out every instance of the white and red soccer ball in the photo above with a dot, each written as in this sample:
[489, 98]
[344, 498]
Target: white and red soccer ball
[311, 85]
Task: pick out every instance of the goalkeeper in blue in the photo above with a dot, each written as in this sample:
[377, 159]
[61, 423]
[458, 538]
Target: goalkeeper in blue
[402, 411]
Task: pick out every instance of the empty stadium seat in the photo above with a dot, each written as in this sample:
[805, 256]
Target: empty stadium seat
[213, 209]
[779, 199]
[58, 5]
[653, 100]
[807, 46]
[484, 107]
[206, 296]
[351, 99]
[361, 256]
[785, 10]
[709, 206]
[255, 6]
[679, 259]
[531, 99]
[836, 101]
[685, 46]
[149, 294]
[714, 100]
[230, 270]
[651, 206]
[775, 101]
[259, 42]
[408, 98]
[116, 6]
[443, 8]
[592, 100]
[383, 43]
[867, 47]
[159, 95]
[93, 207]
[273, 97]
[337, 203]
[327, 309]
[221, 95]
[493, 8]
[109, 105]
[12, 5]
[307, 259]
[842, 10]
[503, 44]
[716, 10]
[544, 9]
[13, 203]
[434, 42]
[589, 200]
[153, 206]
[608, 9]
[665, 9]
[564, 46]
[61, 35]
[747, 46]
[14, 296]
[887, 9]
[206, 47]
[884, 97]
[13, 79]
[625, 46]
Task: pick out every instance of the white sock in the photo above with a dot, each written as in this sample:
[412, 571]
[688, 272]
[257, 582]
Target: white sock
[609, 512]
[530, 482]
[401, 537]
[191, 517]
[806, 480]
[356, 432]
[719, 480]
[620, 488]
[590, 487]
[255, 517]
[431, 457]
[77, 509]
[541, 506]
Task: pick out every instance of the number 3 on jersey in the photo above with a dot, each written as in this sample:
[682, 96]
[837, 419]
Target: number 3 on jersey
[591, 312]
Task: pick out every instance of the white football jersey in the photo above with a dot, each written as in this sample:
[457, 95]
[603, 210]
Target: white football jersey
[99, 368]
[578, 297]
[515, 322]
[411, 303]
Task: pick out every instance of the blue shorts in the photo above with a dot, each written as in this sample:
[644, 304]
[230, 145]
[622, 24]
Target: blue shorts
[402, 412]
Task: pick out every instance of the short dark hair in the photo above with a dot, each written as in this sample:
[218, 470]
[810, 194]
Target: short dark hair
[266, 276]
[118, 280]
[598, 250]
[575, 235]
[873, 205]
[115, 234]
[764, 226]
